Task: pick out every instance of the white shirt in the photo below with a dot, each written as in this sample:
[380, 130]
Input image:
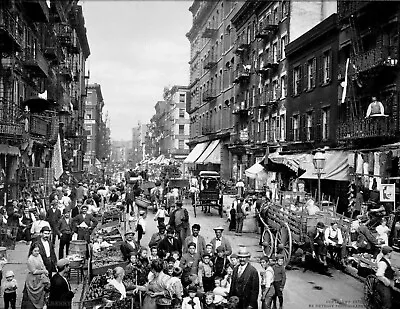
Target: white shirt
[332, 233]
[46, 246]
[196, 241]
[120, 287]
[186, 305]
[241, 269]
[217, 243]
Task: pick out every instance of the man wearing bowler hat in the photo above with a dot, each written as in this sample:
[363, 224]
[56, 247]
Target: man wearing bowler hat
[61, 294]
[220, 241]
[158, 236]
[129, 245]
[46, 250]
[245, 282]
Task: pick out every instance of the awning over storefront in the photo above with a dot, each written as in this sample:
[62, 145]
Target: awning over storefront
[256, 171]
[215, 156]
[294, 162]
[207, 153]
[336, 167]
[9, 150]
[196, 153]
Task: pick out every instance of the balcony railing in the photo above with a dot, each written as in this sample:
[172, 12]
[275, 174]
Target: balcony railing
[210, 94]
[10, 32]
[346, 8]
[264, 31]
[210, 62]
[241, 109]
[10, 124]
[52, 50]
[242, 73]
[241, 46]
[37, 10]
[39, 126]
[361, 128]
[379, 57]
[35, 62]
[209, 33]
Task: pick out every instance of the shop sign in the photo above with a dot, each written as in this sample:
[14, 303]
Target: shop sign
[244, 135]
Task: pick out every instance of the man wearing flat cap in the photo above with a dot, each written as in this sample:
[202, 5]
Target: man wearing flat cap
[245, 282]
[61, 294]
[220, 241]
[385, 275]
[197, 239]
[53, 217]
[129, 245]
[46, 249]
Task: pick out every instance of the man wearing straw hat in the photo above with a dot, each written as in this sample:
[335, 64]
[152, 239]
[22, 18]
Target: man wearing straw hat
[245, 282]
[218, 241]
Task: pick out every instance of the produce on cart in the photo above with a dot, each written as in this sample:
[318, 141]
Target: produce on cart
[95, 292]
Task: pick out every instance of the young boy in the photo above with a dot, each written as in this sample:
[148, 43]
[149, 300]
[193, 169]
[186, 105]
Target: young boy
[176, 257]
[209, 250]
[220, 262]
[234, 260]
[267, 283]
[279, 280]
[153, 254]
[206, 273]
[141, 225]
[10, 290]
[161, 214]
[191, 301]
[131, 220]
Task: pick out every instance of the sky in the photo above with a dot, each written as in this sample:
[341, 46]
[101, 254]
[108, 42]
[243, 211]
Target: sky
[137, 48]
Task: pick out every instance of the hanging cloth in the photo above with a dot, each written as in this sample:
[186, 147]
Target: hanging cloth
[359, 168]
[371, 163]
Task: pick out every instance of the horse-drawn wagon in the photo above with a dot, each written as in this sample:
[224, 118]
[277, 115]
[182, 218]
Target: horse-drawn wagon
[286, 226]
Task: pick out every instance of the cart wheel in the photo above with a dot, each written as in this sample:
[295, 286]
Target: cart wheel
[372, 298]
[284, 238]
[268, 242]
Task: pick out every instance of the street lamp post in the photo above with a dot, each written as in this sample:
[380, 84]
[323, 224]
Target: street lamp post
[319, 165]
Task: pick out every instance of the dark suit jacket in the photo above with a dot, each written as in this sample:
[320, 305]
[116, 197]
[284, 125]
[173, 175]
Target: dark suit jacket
[246, 287]
[312, 238]
[74, 212]
[89, 220]
[200, 245]
[185, 219]
[53, 216]
[165, 246]
[64, 227]
[224, 243]
[126, 249]
[49, 263]
[60, 295]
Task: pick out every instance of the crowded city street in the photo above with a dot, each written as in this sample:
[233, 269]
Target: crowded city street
[199, 154]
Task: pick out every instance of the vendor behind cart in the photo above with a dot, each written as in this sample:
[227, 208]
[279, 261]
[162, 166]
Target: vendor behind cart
[115, 288]
[385, 275]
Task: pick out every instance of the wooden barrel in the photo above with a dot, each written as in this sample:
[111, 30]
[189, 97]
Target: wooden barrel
[78, 247]
[3, 252]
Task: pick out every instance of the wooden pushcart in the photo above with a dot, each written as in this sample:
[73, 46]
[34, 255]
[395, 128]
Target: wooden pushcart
[286, 229]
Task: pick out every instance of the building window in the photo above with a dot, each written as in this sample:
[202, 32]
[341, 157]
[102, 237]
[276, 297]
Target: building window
[296, 81]
[181, 113]
[295, 126]
[283, 46]
[181, 144]
[277, 129]
[275, 52]
[284, 8]
[276, 17]
[326, 67]
[266, 137]
[325, 123]
[273, 129]
[311, 70]
[283, 125]
[181, 129]
[309, 126]
[275, 90]
[181, 98]
[283, 87]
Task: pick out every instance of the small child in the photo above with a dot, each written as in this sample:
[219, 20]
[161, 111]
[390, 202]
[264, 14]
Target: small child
[131, 221]
[383, 233]
[176, 257]
[153, 254]
[208, 301]
[234, 260]
[218, 289]
[3, 261]
[206, 273]
[161, 214]
[267, 283]
[141, 225]
[10, 290]
[279, 280]
[191, 301]
[209, 250]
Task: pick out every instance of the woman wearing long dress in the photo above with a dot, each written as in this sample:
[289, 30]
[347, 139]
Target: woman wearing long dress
[158, 287]
[37, 282]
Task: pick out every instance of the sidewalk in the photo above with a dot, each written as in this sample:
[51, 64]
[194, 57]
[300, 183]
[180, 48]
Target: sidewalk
[17, 263]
